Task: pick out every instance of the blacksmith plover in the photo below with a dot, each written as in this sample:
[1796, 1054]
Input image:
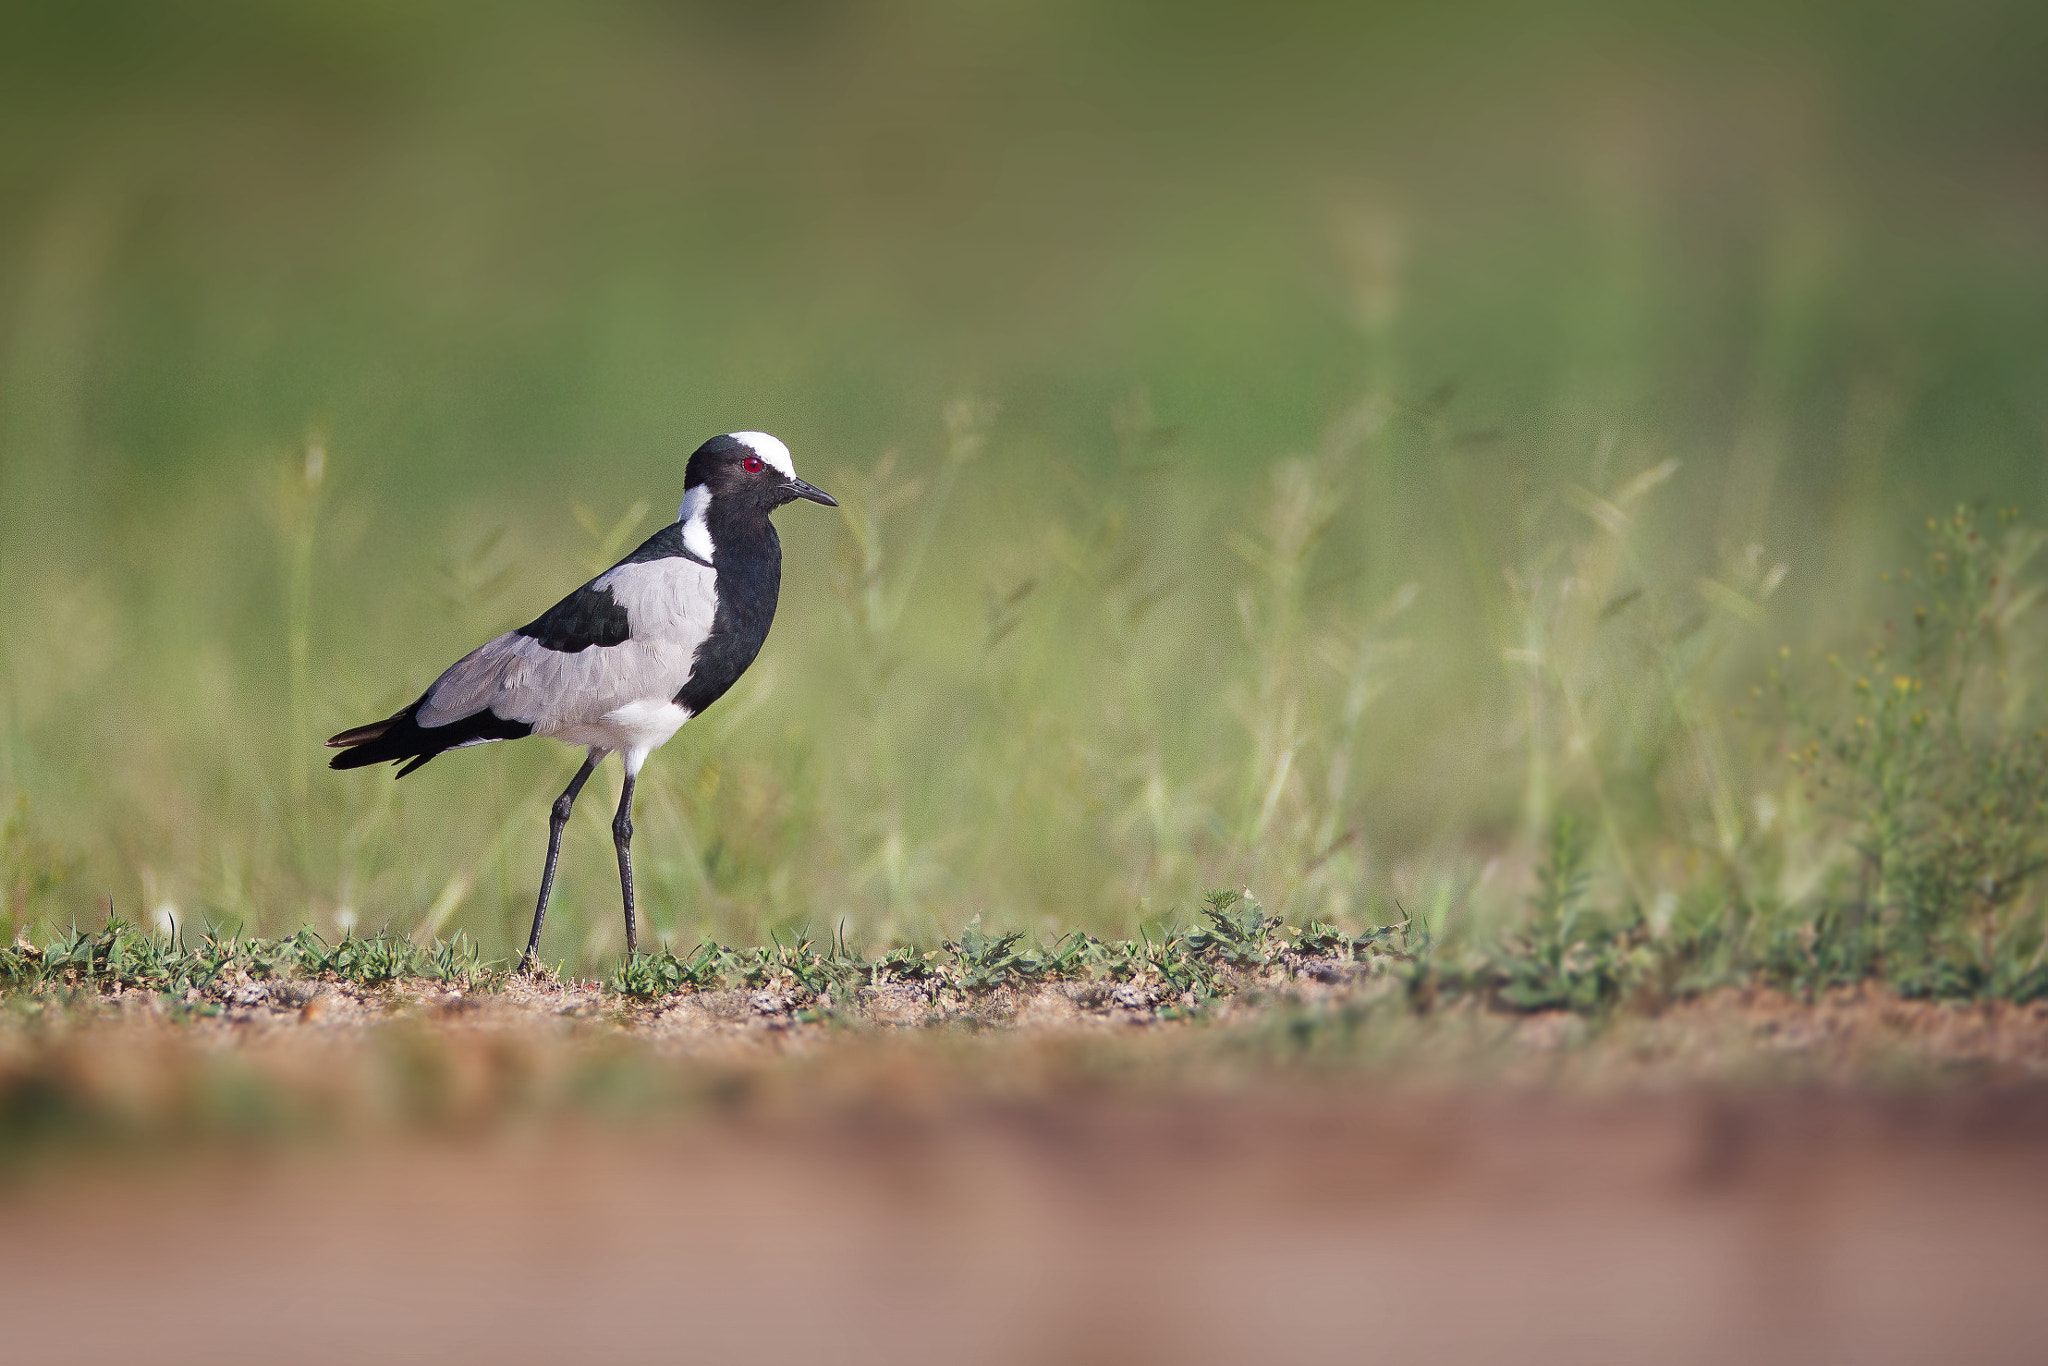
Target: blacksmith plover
[621, 663]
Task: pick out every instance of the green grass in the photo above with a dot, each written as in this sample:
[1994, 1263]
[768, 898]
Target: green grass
[1891, 826]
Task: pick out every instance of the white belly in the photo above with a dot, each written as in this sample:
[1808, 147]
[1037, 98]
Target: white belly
[635, 730]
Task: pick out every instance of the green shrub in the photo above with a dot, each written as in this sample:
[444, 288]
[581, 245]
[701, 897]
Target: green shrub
[1934, 748]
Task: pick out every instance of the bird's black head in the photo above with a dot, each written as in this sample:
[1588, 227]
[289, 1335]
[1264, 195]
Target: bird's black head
[750, 470]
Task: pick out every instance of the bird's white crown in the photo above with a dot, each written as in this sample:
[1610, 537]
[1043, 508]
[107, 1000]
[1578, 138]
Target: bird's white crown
[769, 449]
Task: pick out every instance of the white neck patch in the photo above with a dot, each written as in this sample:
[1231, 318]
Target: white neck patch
[769, 449]
[695, 515]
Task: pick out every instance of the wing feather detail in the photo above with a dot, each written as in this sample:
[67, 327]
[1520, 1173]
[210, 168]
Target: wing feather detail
[668, 604]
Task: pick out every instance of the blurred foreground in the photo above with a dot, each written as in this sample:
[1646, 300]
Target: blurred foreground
[537, 1177]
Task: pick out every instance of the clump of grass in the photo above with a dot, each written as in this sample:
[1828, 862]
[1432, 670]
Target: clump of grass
[1239, 933]
[986, 961]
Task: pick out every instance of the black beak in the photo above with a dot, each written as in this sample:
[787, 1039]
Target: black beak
[816, 495]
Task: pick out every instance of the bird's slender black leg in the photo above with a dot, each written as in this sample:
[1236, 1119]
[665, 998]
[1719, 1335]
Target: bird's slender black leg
[556, 820]
[622, 836]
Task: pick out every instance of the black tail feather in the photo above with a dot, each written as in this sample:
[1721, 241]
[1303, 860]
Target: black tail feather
[349, 739]
[401, 739]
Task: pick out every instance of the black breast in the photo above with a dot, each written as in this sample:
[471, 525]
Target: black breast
[749, 564]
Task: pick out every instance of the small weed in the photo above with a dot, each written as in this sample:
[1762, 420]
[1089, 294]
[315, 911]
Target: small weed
[648, 976]
[1239, 933]
[904, 964]
[988, 961]
[372, 962]
[1571, 956]
[457, 961]
[1328, 941]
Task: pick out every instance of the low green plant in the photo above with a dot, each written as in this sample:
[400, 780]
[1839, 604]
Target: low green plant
[651, 976]
[375, 961]
[986, 961]
[1571, 955]
[1239, 932]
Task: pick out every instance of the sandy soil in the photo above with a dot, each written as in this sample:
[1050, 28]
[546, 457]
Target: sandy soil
[1484, 1189]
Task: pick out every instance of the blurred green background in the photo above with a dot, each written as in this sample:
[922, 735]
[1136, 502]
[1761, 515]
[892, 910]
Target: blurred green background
[1254, 425]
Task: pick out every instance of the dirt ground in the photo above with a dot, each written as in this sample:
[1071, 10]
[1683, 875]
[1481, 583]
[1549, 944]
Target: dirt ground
[1741, 1179]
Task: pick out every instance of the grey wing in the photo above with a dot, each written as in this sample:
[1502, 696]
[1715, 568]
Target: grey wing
[527, 675]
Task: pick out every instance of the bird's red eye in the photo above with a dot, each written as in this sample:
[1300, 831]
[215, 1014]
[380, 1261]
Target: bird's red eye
[753, 464]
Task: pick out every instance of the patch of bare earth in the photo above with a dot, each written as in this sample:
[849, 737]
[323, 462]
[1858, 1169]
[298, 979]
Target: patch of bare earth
[545, 1175]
